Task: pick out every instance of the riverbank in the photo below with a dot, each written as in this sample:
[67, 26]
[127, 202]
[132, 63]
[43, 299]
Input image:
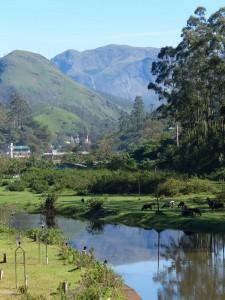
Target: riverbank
[24, 269]
[25, 265]
[127, 210]
[129, 293]
[124, 209]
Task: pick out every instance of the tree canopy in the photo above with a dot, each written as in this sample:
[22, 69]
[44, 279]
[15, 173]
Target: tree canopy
[191, 78]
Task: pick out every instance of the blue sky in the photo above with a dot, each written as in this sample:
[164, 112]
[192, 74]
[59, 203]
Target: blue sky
[50, 27]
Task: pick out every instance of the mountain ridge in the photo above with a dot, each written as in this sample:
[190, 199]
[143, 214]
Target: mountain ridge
[121, 70]
[41, 85]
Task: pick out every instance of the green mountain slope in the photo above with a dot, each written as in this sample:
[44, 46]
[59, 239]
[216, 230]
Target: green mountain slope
[42, 85]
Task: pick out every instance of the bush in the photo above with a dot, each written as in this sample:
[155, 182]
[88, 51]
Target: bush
[196, 185]
[171, 187]
[95, 204]
[53, 236]
[39, 186]
[16, 186]
[4, 183]
[100, 282]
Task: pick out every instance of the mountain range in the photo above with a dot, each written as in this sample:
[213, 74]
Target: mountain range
[79, 93]
[67, 107]
[119, 70]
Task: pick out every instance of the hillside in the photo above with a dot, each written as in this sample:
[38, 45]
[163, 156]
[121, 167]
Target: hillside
[122, 71]
[42, 85]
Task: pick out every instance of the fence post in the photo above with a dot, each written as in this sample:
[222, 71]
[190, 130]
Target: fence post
[65, 286]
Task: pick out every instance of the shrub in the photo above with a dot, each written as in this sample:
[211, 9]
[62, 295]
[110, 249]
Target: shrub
[39, 186]
[171, 187]
[53, 236]
[196, 185]
[95, 204]
[100, 282]
[16, 186]
[5, 183]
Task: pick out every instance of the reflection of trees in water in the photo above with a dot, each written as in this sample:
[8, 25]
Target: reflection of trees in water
[196, 270]
[50, 220]
[95, 227]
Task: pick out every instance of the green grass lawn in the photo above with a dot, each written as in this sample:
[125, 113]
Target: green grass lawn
[124, 209]
[42, 279]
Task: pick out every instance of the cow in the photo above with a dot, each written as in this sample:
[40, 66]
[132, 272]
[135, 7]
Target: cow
[188, 211]
[196, 211]
[148, 205]
[181, 204]
[169, 204]
[217, 205]
[210, 202]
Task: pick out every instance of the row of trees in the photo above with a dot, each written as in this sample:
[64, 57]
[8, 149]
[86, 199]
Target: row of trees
[191, 78]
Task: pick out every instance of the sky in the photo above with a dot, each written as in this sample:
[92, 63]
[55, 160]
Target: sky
[50, 27]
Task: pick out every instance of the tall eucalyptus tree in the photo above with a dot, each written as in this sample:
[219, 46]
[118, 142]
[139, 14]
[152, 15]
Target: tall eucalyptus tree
[191, 77]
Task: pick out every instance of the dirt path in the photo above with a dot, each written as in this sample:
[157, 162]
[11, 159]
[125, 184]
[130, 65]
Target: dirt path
[129, 293]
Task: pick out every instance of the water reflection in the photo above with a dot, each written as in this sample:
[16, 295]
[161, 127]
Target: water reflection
[165, 264]
[95, 227]
[196, 270]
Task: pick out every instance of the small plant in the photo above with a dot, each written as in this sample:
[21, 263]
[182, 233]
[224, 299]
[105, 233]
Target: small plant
[100, 282]
[16, 186]
[23, 289]
[95, 204]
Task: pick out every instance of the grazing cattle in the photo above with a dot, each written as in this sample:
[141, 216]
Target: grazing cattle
[181, 204]
[169, 204]
[187, 213]
[172, 203]
[217, 205]
[210, 202]
[148, 205]
[196, 211]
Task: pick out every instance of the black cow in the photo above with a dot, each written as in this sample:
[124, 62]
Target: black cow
[217, 205]
[187, 213]
[210, 202]
[196, 211]
[148, 205]
[181, 204]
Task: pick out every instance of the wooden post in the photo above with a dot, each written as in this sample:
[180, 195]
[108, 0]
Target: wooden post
[1, 274]
[65, 286]
[26, 280]
[36, 237]
[78, 264]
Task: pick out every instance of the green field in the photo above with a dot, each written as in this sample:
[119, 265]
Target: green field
[124, 209]
[42, 279]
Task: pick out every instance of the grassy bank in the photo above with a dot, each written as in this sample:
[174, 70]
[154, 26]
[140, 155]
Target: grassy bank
[42, 279]
[125, 209]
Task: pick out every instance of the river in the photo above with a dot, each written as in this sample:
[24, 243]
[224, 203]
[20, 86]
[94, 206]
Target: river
[158, 265]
